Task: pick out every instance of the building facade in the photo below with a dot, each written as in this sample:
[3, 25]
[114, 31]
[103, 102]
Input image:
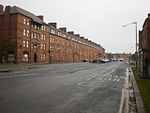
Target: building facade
[119, 56]
[26, 38]
[144, 49]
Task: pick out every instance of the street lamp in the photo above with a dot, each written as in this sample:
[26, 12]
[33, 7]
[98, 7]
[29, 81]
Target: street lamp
[135, 23]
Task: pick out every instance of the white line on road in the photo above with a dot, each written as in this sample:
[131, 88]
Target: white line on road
[109, 78]
[114, 79]
[118, 80]
[81, 83]
[89, 78]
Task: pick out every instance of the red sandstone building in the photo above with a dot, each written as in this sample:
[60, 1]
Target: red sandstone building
[144, 48]
[25, 37]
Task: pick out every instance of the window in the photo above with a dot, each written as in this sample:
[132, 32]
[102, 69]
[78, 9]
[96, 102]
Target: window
[27, 44]
[24, 21]
[37, 36]
[41, 36]
[44, 46]
[51, 39]
[52, 31]
[41, 46]
[35, 26]
[44, 37]
[32, 35]
[10, 57]
[24, 32]
[35, 46]
[24, 43]
[28, 33]
[44, 56]
[28, 22]
[44, 28]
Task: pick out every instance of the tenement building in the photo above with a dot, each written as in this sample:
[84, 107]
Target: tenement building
[26, 38]
[144, 48]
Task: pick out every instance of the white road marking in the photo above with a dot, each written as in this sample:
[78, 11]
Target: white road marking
[114, 79]
[109, 78]
[89, 79]
[105, 78]
[81, 83]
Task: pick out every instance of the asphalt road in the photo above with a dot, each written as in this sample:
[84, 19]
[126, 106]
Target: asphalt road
[62, 88]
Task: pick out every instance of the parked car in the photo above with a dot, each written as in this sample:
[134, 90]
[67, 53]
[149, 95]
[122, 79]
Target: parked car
[104, 60]
[85, 60]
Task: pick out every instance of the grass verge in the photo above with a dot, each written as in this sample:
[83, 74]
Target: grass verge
[144, 87]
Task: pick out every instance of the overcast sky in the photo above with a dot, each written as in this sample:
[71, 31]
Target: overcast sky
[98, 20]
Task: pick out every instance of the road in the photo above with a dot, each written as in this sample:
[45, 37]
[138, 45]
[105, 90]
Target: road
[63, 88]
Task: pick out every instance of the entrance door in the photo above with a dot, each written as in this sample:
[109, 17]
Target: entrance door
[35, 57]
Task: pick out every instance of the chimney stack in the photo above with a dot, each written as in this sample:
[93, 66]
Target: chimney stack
[64, 29]
[71, 32]
[77, 35]
[1, 8]
[41, 17]
[8, 9]
[82, 37]
[53, 24]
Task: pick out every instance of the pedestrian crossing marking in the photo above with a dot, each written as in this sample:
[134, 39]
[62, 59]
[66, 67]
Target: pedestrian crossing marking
[107, 77]
[118, 80]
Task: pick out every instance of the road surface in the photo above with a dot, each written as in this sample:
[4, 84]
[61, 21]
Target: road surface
[63, 88]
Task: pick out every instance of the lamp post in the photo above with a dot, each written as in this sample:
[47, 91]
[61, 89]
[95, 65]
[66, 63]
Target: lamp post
[135, 23]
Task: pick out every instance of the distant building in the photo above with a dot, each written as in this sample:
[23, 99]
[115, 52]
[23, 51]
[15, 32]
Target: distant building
[119, 56]
[144, 48]
[26, 38]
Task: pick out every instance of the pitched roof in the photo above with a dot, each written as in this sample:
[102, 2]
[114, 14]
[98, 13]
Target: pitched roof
[19, 10]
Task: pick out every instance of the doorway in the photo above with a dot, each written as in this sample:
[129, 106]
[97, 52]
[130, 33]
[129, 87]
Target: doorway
[35, 57]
